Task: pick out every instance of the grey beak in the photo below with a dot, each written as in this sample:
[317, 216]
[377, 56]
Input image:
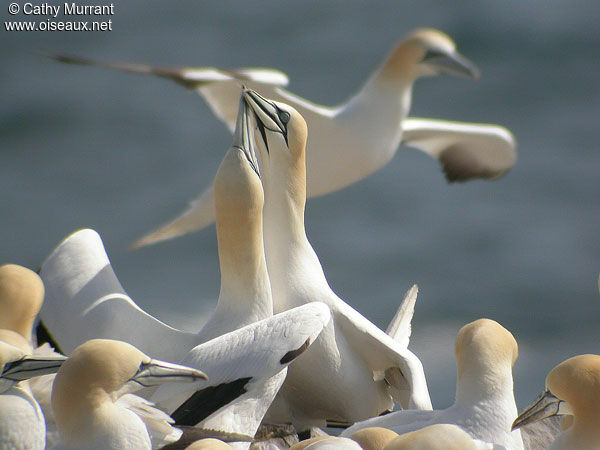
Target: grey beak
[452, 63]
[243, 137]
[32, 366]
[546, 405]
[158, 372]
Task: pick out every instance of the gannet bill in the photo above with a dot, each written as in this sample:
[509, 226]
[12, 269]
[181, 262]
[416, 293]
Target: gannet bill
[85, 300]
[399, 327]
[442, 436]
[353, 140]
[88, 392]
[352, 354]
[22, 424]
[374, 438]
[246, 369]
[485, 403]
[573, 388]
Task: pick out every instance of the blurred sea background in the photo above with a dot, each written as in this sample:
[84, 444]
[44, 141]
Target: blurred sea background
[121, 153]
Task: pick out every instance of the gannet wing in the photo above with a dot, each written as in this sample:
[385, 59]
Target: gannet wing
[465, 150]
[403, 370]
[84, 300]
[220, 87]
[245, 368]
[199, 214]
[400, 326]
[399, 421]
[158, 423]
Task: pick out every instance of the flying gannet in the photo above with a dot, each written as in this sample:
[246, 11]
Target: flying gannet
[353, 140]
[352, 355]
[572, 388]
[22, 424]
[485, 403]
[93, 387]
[85, 300]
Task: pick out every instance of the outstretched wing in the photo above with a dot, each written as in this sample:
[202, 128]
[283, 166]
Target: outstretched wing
[199, 214]
[219, 87]
[245, 369]
[402, 368]
[399, 328]
[84, 300]
[465, 150]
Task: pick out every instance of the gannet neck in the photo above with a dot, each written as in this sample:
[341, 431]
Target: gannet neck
[485, 354]
[21, 297]
[238, 202]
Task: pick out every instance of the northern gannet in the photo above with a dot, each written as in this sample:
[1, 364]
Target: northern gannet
[442, 436]
[353, 140]
[374, 438]
[21, 297]
[573, 388]
[22, 424]
[85, 300]
[236, 399]
[352, 355]
[93, 386]
[485, 403]
[327, 443]
[208, 444]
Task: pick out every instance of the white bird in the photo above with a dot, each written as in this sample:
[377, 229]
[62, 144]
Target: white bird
[327, 443]
[85, 300]
[341, 377]
[485, 403]
[22, 424]
[21, 297]
[246, 369]
[90, 388]
[353, 140]
[442, 436]
[374, 438]
[572, 388]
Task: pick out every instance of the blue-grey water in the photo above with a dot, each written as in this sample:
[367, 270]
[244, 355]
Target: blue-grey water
[121, 153]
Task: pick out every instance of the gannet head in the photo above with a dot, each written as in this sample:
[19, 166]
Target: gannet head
[100, 371]
[572, 387]
[282, 129]
[17, 363]
[374, 438]
[21, 297]
[442, 436]
[427, 52]
[485, 345]
[238, 190]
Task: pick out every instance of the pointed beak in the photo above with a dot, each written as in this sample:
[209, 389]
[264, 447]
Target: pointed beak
[266, 113]
[452, 64]
[157, 372]
[243, 136]
[546, 405]
[32, 366]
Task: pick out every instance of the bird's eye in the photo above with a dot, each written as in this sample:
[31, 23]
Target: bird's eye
[284, 117]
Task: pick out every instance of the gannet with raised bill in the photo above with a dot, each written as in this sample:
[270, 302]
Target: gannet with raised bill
[85, 300]
[236, 399]
[352, 355]
[350, 141]
[485, 403]
[572, 388]
[22, 424]
[92, 399]
[441, 436]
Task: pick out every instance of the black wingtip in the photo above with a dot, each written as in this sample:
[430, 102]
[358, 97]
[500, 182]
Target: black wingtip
[293, 354]
[205, 402]
[43, 335]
